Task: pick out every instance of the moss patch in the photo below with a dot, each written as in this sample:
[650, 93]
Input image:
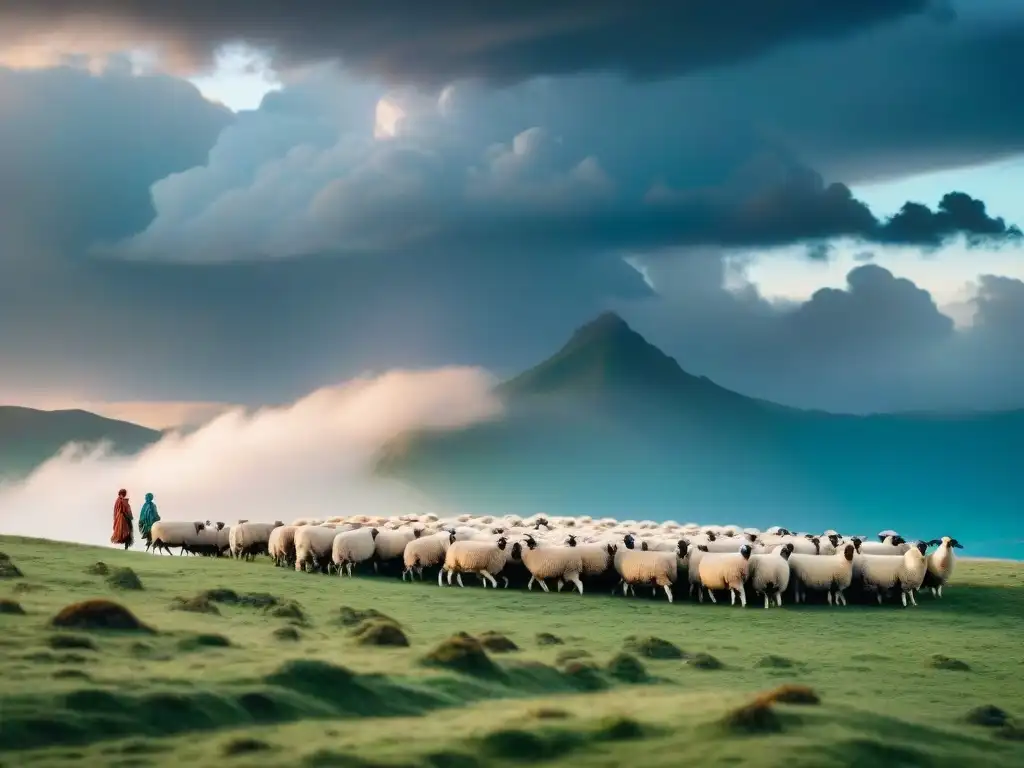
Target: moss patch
[380, 632]
[462, 653]
[627, 668]
[98, 615]
[124, 578]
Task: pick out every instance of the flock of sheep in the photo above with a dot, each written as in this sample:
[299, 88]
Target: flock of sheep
[602, 554]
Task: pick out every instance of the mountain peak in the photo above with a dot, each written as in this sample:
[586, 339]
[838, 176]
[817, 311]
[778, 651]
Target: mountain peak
[607, 356]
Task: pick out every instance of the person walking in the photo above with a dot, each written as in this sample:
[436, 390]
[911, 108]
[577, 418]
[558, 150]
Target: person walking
[148, 515]
[122, 520]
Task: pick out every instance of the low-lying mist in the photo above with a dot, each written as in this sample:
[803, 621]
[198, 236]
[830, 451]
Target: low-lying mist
[311, 458]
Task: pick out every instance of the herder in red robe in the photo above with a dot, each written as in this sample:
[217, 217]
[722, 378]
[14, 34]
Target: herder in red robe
[122, 521]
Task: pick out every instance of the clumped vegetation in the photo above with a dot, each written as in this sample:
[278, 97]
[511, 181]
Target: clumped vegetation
[202, 641]
[287, 634]
[99, 568]
[988, 716]
[495, 642]
[98, 615]
[653, 648]
[10, 607]
[200, 603]
[8, 570]
[64, 642]
[627, 668]
[382, 632]
[546, 638]
[775, 662]
[462, 653]
[351, 617]
[705, 661]
[790, 694]
[124, 578]
[938, 661]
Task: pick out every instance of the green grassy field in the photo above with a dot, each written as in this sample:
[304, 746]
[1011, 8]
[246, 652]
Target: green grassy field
[299, 682]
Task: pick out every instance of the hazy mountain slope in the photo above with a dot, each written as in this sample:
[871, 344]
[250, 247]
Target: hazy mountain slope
[611, 425]
[28, 437]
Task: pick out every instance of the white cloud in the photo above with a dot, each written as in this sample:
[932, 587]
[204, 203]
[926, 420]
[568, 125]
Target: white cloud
[312, 457]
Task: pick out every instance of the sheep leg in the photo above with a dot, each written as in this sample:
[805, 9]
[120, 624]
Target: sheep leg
[350, 567]
[506, 581]
[903, 598]
[743, 596]
[579, 585]
[668, 592]
[840, 596]
[700, 594]
[405, 572]
[829, 597]
[712, 596]
[560, 584]
[451, 575]
[543, 585]
[913, 600]
[529, 584]
[486, 575]
[766, 605]
[778, 599]
[939, 590]
[458, 578]
[440, 573]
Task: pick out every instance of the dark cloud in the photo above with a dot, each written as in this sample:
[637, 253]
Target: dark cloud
[879, 344]
[958, 213]
[503, 40]
[79, 152]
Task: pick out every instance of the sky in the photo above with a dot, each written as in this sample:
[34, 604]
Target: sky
[816, 204]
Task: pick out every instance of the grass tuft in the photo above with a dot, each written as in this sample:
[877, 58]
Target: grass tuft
[652, 648]
[755, 717]
[938, 661]
[8, 570]
[380, 632]
[988, 716]
[627, 669]
[287, 634]
[353, 617]
[706, 661]
[462, 653]
[200, 603]
[546, 638]
[789, 694]
[203, 641]
[98, 615]
[10, 607]
[495, 642]
[124, 578]
[99, 568]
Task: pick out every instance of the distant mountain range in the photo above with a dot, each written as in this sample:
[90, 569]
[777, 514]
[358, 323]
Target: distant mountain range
[28, 437]
[610, 425]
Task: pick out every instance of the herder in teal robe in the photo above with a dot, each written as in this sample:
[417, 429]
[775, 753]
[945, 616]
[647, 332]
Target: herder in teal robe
[147, 517]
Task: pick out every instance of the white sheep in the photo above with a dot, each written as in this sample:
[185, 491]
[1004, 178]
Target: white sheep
[485, 559]
[722, 570]
[167, 533]
[425, 552]
[881, 573]
[828, 573]
[390, 544]
[769, 574]
[549, 562]
[597, 557]
[353, 547]
[890, 545]
[638, 566]
[251, 539]
[940, 564]
[314, 545]
[281, 545]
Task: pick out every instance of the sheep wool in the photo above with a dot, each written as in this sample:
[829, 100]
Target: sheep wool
[828, 573]
[940, 564]
[891, 545]
[660, 569]
[425, 552]
[720, 570]
[281, 545]
[882, 573]
[486, 559]
[313, 547]
[769, 574]
[353, 547]
[166, 534]
[549, 562]
[390, 544]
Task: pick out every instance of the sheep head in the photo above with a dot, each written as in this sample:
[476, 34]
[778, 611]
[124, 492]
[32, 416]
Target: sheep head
[374, 533]
[531, 542]
[848, 551]
[681, 547]
[451, 537]
[921, 546]
[570, 540]
[703, 548]
[644, 546]
[834, 538]
[220, 526]
[745, 551]
[198, 526]
[817, 544]
[629, 541]
[517, 551]
[956, 544]
[501, 543]
[417, 532]
[787, 550]
[711, 536]
[612, 549]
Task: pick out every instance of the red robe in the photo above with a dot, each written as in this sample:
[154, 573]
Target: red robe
[122, 522]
